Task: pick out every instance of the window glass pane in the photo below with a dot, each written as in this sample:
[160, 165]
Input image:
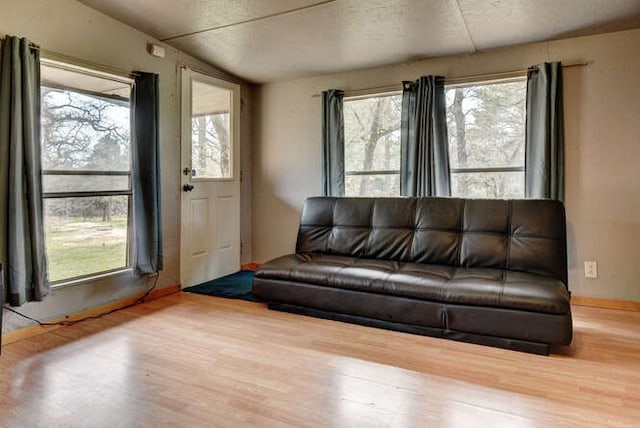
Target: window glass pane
[85, 129]
[486, 125]
[84, 183]
[84, 132]
[372, 133]
[210, 131]
[499, 185]
[85, 235]
[372, 185]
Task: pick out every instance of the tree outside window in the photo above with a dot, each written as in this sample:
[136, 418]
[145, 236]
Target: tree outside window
[372, 145]
[486, 124]
[211, 147]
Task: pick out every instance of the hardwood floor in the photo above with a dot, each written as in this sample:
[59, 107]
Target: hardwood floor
[187, 360]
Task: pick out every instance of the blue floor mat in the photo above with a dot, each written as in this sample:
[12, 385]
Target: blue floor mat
[235, 286]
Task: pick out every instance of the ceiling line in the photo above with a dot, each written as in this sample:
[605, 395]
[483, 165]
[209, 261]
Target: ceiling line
[259, 18]
[466, 27]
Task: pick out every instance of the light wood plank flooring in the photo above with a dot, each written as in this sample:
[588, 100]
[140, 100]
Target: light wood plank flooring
[195, 361]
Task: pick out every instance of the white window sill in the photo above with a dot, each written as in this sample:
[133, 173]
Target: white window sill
[88, 279]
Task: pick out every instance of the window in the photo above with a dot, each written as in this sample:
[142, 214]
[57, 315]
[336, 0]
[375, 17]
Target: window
[486, 125]
[372, 145]
[86, 171]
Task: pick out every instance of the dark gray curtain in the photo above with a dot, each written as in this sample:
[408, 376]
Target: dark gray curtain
[332, 143]
[21, 221]
[145, 158]
[544, 141]
[424, 161]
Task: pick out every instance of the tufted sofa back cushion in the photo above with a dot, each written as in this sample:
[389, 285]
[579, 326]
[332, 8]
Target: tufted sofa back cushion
[525, 235]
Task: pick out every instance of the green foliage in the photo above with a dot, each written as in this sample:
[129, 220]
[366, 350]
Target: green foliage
[88, 207]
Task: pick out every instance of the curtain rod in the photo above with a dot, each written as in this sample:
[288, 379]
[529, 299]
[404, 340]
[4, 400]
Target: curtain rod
[450, 81]
[52, 55]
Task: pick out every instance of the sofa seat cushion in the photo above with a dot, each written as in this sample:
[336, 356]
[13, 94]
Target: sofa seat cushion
[468, 286]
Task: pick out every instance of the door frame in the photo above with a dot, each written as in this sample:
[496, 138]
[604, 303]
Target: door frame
[187, 75]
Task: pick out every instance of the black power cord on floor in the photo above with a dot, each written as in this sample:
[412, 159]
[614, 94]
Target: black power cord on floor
[72, 322]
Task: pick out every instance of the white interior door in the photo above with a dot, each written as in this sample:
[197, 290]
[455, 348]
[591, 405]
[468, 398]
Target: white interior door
[210, 185]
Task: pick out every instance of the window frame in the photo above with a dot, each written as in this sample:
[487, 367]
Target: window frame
[350, 173]
[129, 250]
[474, 170]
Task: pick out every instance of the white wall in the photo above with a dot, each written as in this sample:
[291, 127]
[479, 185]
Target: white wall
[70, 28]
[602, 120]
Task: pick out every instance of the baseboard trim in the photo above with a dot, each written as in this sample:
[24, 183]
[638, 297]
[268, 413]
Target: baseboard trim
[597, 302]
[35, 330]
[250, 266]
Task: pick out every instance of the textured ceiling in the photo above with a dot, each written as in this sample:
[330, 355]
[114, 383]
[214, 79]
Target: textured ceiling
[269, 40]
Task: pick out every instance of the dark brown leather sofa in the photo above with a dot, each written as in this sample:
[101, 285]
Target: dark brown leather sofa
[492, 272]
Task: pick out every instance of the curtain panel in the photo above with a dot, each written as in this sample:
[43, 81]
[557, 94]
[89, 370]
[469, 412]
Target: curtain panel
[21, 219]
[544, 135]
[145, 158]
[424, 157]
[332, 143]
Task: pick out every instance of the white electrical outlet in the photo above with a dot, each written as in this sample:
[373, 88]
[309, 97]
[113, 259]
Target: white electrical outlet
[591, 269]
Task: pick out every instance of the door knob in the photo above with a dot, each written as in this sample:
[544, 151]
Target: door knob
[187, 187]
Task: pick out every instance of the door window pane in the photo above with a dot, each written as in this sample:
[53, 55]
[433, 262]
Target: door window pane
[211, 150]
